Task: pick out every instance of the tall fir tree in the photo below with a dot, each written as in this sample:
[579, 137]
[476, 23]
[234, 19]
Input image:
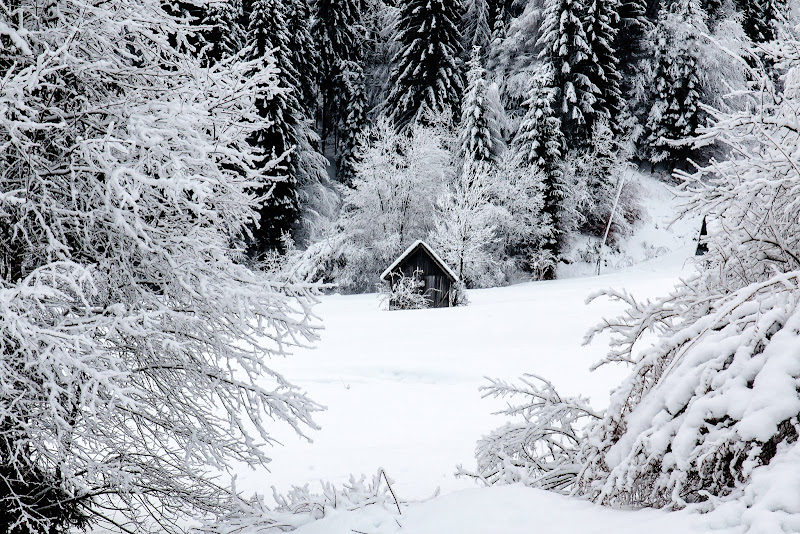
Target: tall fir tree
[714, 10]
[353, 123]
[541, 144]
[305, 57]
[629, 43]
[279, 212]
[223, 34]
[426, 72]
[601, 24]
[379, 17]
[564, 43]
[480, 139]
[338, 33]
[500, 12]
[676, 113]
[759, 17]
[477, 26]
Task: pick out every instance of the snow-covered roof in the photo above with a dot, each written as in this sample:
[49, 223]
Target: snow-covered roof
[417, 244]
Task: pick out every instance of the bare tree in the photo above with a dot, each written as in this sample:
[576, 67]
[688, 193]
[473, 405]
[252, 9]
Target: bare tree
[134, 346]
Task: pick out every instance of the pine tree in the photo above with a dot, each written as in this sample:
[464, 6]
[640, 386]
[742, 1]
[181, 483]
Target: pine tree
[540, 143]
[564, 43]
[759, 17]
[379, 18]
[676, 113]
[499, 13]
[480, 136]
[224, 35]
[354, 123]
[305, 57]
[477, 28]
[426, 73]
[601, 23]
[713, 9]
[280, 209]
[629, 44]
[337, 32]
[514, 55]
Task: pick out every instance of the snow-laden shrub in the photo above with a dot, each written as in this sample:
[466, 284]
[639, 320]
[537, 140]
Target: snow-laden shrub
[458, 294]
[712, 405]
[710, 412]
[405, 292]
[301, 506]
[540, 449]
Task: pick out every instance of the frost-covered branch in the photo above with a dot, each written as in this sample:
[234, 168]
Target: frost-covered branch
[709, 413]
[134, 343]
[301, 506]
[542, 449]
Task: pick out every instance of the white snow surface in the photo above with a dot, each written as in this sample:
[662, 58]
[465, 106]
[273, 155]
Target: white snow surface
[506, 510]
[401, 387]
[401, 391]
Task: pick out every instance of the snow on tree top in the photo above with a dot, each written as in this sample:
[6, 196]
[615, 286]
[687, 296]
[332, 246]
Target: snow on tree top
[412, 248]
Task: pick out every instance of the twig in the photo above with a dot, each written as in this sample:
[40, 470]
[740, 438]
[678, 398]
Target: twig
[396, 502]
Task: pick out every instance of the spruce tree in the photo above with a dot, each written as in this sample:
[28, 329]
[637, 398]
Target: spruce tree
[714, 11]
[480, 137]
[499, 12]
[758, 18]
[280, 209]
[564, 43]
[601, 22]
[629, 42]
[378, 18]
[305, 57]
[337, 34]
[676, 113]
[541, 145]
[426, 72]
[477, 26]
[224, 34]
[353, 123]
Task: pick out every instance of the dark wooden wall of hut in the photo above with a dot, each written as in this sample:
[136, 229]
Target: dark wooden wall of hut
[437, 283]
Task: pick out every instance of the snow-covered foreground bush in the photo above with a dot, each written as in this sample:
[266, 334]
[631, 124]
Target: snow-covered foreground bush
[301, 506]
[710, 412]
[132, 345]
[540, 451]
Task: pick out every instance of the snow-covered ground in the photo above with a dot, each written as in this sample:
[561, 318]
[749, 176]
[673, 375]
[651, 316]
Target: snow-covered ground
[401, 391]
[401, 387]
[507, 510]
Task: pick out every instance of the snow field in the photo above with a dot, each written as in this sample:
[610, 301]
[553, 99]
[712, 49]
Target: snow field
[506, 510]
[401, 387]
[401, 391]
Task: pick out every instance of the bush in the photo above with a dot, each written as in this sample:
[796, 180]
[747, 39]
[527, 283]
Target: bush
[405, 292]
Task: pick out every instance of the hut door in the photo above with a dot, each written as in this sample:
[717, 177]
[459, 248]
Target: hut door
[430, 290]
[433, 289]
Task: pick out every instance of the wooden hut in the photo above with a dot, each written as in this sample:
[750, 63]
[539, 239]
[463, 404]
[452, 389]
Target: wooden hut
[419, 260]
